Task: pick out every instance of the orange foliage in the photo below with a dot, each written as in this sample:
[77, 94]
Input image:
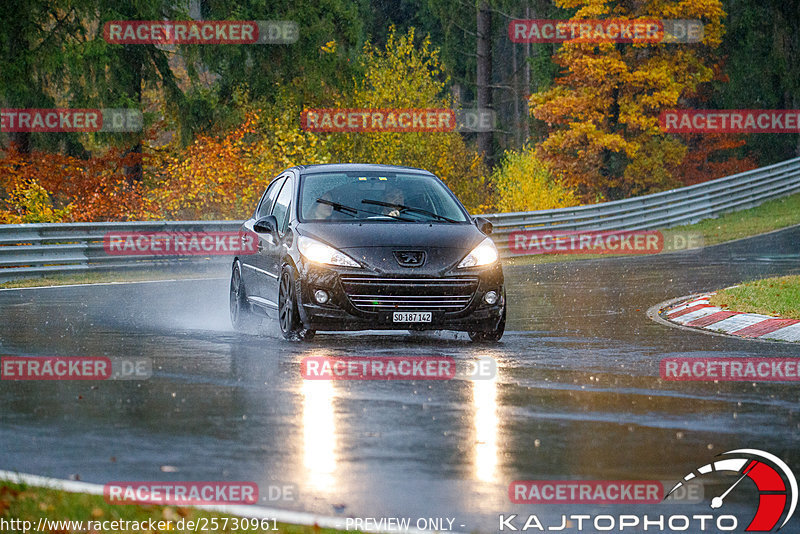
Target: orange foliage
[602, 112]
[222, 177]
[205, 179]
[92, 190]
[708, 158]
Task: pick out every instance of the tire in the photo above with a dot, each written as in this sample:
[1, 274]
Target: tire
[495, 334]
[288, 315]
[242, 317]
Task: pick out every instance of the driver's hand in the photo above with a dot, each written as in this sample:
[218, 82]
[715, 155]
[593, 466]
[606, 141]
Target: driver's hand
[394, 213]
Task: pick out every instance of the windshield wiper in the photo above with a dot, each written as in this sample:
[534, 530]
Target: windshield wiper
[403, 207]
[341, 208]
[349, 210]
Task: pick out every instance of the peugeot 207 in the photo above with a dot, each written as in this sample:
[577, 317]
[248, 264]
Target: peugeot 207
[356, 247]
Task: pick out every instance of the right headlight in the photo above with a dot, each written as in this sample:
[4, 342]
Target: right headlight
[484, 254]
[318, 252]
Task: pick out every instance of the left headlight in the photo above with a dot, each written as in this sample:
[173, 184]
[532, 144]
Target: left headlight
[318, 252]
[484, 254]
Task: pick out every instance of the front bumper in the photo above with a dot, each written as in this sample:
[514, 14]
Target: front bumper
[465, 311]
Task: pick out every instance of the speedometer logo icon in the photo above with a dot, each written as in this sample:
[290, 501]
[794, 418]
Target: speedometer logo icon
[777, 486]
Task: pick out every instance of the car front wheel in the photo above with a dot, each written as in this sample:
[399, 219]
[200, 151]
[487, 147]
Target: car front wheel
[288, 315]
[497, 333]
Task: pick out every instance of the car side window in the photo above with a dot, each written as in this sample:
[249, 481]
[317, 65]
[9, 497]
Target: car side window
[265, 206]
[282, 204]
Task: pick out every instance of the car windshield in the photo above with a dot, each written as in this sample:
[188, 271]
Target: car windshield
[377, 196]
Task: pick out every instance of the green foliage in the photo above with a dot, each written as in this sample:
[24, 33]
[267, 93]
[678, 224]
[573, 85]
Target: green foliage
[310, 67]
[761, 70]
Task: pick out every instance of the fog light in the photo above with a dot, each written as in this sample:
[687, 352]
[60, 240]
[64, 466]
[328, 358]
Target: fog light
[490, 297]
[321, 296]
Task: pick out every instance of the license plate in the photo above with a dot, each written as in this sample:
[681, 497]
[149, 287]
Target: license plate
[411, 317]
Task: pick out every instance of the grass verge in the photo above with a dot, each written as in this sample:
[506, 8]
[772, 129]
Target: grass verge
[127, 275]
[771, 296]
[27, 503]
[769, 216]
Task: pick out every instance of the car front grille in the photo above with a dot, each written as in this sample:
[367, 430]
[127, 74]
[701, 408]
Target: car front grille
[372, 293]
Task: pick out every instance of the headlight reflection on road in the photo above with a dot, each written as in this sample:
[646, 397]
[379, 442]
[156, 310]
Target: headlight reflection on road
[484, 403]
[319, 433]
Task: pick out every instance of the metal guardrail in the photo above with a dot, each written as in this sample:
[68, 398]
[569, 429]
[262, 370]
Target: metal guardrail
[677, 207]
[41, 249]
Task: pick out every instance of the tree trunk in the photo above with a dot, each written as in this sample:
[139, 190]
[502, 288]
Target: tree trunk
[483, 76]
[527, 79]
[133, 60]
[18, 47]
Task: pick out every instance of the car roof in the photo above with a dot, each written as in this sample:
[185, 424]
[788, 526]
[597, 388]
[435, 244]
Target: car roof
[358, 167]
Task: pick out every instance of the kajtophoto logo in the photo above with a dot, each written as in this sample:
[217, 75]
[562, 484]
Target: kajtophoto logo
[776, 484]
[774, 481]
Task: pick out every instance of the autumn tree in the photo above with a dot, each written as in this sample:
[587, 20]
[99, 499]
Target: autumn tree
[222, 176]
[408, 74]
[525, 183]
[603, 111]
[39, 186]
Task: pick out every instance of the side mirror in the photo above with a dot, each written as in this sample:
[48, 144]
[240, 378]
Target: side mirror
[267, 225]
[484, 225]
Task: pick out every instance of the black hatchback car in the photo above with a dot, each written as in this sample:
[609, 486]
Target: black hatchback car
[356, 247]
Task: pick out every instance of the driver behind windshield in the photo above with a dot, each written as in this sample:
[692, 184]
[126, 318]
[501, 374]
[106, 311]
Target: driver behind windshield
[394, 195]
[321, 210]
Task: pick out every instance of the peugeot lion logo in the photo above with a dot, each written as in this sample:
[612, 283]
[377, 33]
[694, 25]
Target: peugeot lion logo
[409, 258]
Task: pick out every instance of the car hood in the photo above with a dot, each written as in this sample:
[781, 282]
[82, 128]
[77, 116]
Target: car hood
[375, 243]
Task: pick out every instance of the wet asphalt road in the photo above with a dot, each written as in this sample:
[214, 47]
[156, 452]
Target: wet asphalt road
[577, 395]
